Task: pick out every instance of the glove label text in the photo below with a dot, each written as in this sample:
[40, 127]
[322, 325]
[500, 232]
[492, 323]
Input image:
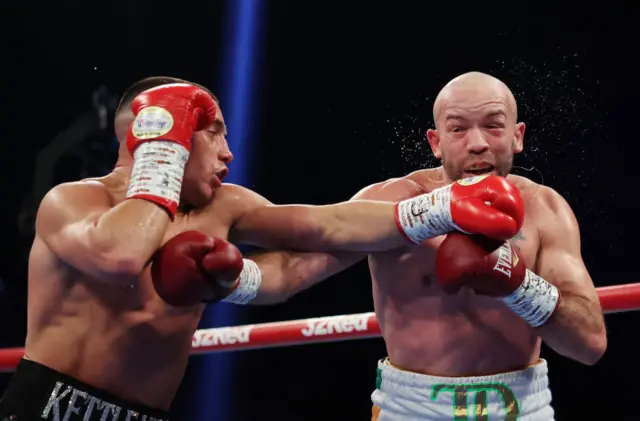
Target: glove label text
[152, 122]
[469, 181]
[505, 259]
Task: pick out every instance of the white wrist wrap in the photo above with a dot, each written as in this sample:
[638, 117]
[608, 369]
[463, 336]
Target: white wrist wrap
[248, 284]
[426, 216]
[534, 301]
[158, 168]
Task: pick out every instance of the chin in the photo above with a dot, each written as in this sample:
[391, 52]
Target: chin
[198, 198]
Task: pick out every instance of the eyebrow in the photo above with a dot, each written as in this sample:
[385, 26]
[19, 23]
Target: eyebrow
[496, 113]
[221, 124]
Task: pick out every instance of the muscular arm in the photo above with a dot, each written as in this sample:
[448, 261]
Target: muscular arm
[79, 225]
[576, 329]
[346, 226]
[285, 273]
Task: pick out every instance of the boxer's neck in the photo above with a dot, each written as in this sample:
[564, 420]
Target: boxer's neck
[118, 180]
[125, 160]
[440, 176]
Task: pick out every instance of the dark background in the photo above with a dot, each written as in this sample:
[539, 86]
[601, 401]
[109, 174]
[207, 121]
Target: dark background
[344, 93]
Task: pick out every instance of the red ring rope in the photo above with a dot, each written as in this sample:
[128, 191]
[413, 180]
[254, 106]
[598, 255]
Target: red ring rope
[614, 299]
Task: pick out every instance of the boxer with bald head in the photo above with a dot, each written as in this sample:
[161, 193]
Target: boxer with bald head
[121, 266]
[463, 317]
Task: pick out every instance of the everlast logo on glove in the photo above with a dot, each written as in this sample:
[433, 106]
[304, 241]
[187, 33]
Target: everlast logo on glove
[68, 403]
[505, 259]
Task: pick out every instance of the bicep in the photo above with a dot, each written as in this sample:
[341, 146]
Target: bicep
[560, 260]
[392, 190]
[566, 270]
[287, 226]
[66, 230]
[258, 222]
[262, 224]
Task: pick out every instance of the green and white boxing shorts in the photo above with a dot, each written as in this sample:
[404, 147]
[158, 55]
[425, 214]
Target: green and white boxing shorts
[513, 396]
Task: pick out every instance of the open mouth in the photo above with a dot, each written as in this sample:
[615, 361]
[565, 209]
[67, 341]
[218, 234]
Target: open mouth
[222, 174]
[480, 169]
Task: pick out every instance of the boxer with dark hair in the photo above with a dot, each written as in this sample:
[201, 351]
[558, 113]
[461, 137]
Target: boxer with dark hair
[109, 334]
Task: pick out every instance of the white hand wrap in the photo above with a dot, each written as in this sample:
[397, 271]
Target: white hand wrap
[248, 284]
[426, 216]
[534, 301]
[158, 168]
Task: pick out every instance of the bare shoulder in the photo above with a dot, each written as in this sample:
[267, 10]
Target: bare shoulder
[239, 196]
[76, 195]
[552, 213]
[231, 201]
[539, 197]
[429, 178]
[525, 185]
[70, 202]
[392, 189]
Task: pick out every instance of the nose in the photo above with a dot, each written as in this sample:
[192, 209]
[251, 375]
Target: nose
[476, 143]
[225, 156]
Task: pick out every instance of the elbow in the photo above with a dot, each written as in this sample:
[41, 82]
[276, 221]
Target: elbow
[119, 264]
[295, 279]
[285, 292]
[114, 259]
[595, 348]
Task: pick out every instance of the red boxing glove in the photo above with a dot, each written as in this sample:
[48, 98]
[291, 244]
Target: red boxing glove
[489, 205]
[193, 267]
[159, 139]
[493, 268]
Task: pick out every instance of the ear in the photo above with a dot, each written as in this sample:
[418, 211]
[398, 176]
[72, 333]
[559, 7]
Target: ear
[434, 141]
[518, 139]
[121, 124]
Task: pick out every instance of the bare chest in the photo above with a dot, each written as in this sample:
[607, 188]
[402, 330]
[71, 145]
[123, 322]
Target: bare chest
[137, 303]
[207, 223]
[408, 271]
[408, 300]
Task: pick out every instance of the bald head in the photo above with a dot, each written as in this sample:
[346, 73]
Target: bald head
[475, 89]
[477, 131]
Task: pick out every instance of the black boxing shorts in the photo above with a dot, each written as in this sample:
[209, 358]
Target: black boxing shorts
[39, 393]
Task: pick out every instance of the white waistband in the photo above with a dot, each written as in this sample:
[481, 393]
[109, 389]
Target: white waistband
[404, 395]
[530, 380]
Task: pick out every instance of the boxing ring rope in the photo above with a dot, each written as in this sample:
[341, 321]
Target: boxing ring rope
[614, 299]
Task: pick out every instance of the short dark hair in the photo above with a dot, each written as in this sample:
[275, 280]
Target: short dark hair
[151, 82]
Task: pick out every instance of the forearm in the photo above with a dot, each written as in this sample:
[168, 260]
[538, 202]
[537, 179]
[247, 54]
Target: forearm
[358, 226]
[286, 273]
[137, 226]
[363, 226]
[130, 232]
[576, 329]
